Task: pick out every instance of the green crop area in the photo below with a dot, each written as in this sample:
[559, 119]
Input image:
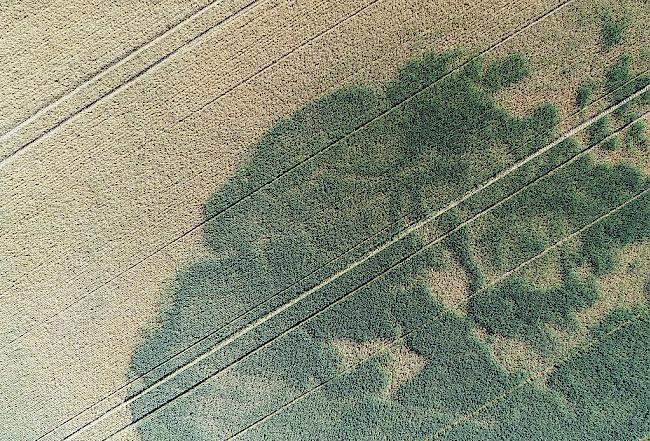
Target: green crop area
[331, 221]
[329, 248]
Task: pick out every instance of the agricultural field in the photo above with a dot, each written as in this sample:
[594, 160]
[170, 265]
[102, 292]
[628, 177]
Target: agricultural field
[325, 220]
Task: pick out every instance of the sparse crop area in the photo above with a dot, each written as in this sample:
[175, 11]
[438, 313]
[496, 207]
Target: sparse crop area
[454, 248]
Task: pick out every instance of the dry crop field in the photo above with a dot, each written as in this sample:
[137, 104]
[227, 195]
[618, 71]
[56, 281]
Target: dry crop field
[324, 220]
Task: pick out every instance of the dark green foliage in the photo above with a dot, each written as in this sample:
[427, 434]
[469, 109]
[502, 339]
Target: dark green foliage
[619, 73]
[620, 85]
[544, 118]
[609, 384]
[368, 379]
[601, 242]
[641, 82]
[544, 213]
[364, 317]
[612, 143]
[296, 359]
[418, 74]
[460, 373]
[515, 308]
[636, 136]
[436, 140]
[584, 93]
[458, 243]
[552, 208]
[316, 199]
[617, 319]
[505, 72]
[612, 29]
[599, 130]
[602, 393]
[531, 413]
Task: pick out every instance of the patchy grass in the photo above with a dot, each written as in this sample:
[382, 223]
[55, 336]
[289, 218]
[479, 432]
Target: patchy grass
[611, 144]
[599, 393]
[626, 285]
[636, 137]
[403, 364]
[451, 285]
[599, 130]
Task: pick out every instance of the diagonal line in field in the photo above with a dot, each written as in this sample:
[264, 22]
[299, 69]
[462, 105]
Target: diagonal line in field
[201, 172]
[260, 321]
[398, 339]
[198, 225]
[194, 39]
[132, 54]
[234, 320]
[266, 300]
[295, 166]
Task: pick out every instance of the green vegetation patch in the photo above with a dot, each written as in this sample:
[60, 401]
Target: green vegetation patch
[599, 130]
[561, 204]
[620, 84]
[584, 94]
[599, 393]
[611, 144]
[612, 29]
[306, 205]
[516, 309]
[636, 137]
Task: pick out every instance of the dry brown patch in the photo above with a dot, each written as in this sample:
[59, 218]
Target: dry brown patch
[87, 356]
[625, 286]
[403, 365]
[641, 159]
[450, 285]
[547, 273]
[512, 353]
